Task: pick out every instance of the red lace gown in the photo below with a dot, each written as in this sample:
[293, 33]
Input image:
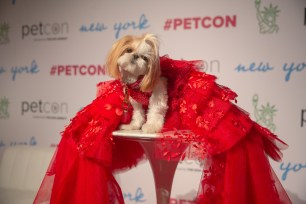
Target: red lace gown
[234, 147]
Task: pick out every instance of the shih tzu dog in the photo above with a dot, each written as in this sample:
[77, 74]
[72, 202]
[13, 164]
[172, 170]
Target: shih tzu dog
[135, 61]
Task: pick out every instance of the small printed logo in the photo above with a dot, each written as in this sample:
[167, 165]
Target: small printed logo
[4, 31]
[45, 110]
[4, 105]
[264, 115]
[45, 31]
[267, 18]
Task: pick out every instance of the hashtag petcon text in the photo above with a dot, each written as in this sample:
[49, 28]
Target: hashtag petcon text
[75, 70]
[207, 22]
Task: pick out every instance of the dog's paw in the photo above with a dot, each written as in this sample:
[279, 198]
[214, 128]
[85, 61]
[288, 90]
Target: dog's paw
[151, 128]
[129, 127]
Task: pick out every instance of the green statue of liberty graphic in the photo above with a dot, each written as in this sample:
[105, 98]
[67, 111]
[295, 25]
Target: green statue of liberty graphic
[4, 103]
[4, 29]
[264, 115]
[266, 18]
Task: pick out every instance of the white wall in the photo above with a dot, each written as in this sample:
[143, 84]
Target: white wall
[49, 67]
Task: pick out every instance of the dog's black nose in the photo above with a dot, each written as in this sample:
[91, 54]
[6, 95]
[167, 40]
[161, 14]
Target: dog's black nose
[135, 56]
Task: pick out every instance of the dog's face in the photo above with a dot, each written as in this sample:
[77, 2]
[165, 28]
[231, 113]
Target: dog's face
[132, 57]
[135, 58]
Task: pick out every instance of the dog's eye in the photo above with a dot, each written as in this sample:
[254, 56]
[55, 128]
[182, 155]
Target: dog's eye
[144, 58]
[129, 50]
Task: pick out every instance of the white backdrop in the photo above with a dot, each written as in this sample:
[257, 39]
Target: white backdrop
[52, 55]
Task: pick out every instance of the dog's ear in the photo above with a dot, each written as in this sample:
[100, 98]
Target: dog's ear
[152, 77]
[116, 51]
[153, 41]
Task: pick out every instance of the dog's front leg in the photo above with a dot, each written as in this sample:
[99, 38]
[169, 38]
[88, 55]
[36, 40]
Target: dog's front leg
[158, 106]
[138, 117]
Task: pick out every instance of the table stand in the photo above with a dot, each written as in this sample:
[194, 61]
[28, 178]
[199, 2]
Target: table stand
[163, 170]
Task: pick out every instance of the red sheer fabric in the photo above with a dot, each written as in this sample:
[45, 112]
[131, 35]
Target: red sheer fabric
[201, 113]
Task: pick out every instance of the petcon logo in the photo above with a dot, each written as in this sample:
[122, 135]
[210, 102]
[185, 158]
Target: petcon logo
[44, 109]
[77, 70]
[206, 22]
[45, 31]
[212, 66]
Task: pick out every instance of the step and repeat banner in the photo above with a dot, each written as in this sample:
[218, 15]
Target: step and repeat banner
[52, 55]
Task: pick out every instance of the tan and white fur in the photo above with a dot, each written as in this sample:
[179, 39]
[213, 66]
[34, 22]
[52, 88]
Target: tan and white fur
[131, 57]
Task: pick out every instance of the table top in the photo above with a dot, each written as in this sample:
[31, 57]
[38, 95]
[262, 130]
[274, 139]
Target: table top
[136, 134]
[140, 135]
